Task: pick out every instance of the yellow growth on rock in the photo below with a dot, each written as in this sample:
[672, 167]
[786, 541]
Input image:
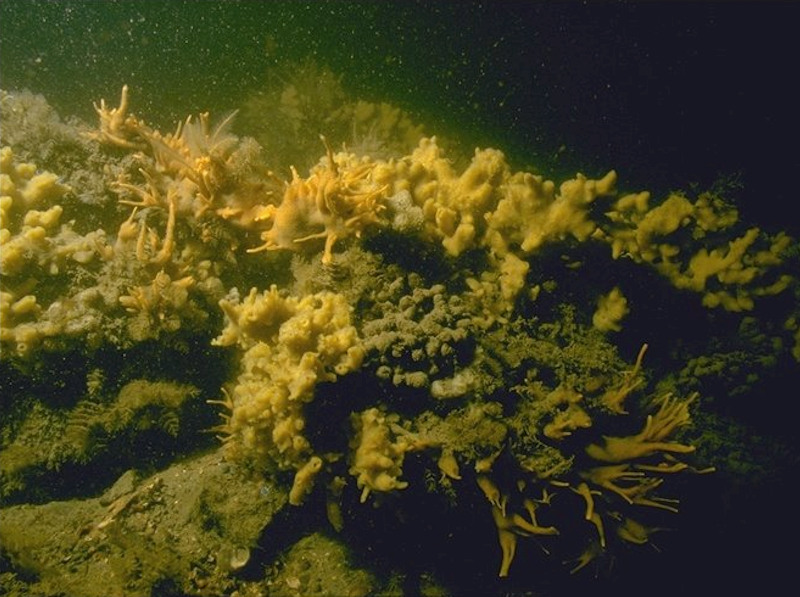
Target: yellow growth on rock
[671, 414]
[488, 205]
[447, 334]
[117, 127]
[729, 275]
[509, 527]
[531, 212]
[571, 417]
[378, 449]
[29, 214]
[35, 244]
[448, 465]
[611, 310]
[304, 480]
[336, 201]
[290, 345]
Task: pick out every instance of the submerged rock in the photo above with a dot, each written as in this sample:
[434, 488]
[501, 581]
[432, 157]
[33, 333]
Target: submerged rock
[169, 529]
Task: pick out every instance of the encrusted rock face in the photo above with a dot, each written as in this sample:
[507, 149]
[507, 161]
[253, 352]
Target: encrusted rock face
[419, 336]
[290, 345]
[442, 339]
[194, 522]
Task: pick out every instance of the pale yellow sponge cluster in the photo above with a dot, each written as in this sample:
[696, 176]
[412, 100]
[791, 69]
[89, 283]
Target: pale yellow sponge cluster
[611, 310]
[29, 212]
[729, 273]
[495, 291]
[487, 205]
[533, 212]
[378, 450]
[34, 244]
[336, 201]
[513, 215]
[290, 345]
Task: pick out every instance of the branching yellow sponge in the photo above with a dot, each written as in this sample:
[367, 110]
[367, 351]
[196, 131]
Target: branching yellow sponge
[290, 345]
[611, 310]
[379, 447]
[29, 213]
[487, 205]
[676, 238]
